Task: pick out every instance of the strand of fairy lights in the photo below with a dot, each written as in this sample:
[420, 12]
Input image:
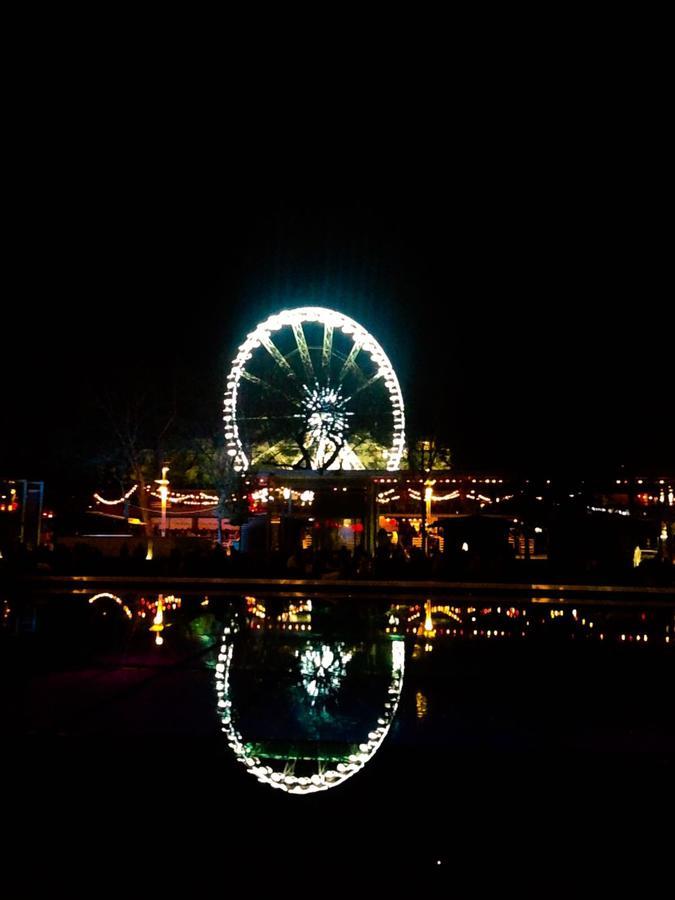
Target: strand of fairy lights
[186, 499]
[116, 502]
[264, 495]
[118, 601]
[387, 496]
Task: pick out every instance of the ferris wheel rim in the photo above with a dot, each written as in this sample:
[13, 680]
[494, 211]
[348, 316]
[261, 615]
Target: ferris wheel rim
[293, 318]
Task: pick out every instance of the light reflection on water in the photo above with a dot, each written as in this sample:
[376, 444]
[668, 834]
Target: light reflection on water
[449, 710]
[309, 690]
[319, 670]
[427, 620]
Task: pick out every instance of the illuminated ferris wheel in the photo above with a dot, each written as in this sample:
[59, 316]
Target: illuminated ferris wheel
[311, 389]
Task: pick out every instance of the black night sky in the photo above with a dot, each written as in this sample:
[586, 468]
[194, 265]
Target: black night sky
[520, 289]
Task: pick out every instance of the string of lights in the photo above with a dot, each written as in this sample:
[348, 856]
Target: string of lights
[124, 497]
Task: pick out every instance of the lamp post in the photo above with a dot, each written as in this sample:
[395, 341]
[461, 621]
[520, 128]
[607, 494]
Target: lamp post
[426, 452]
[163, 483]
[288, 496]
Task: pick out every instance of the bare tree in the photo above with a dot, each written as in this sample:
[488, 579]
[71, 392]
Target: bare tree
[141, 445]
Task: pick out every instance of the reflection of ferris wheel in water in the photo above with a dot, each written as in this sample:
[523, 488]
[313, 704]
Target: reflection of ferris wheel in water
[310, 388]
[321, 772]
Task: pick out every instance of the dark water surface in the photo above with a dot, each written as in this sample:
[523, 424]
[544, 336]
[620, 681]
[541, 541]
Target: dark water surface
[280, 736]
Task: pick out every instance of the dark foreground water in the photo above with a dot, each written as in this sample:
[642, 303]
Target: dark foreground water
[273, 738]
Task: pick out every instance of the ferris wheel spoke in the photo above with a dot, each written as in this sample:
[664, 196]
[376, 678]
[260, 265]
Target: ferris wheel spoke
[350, 362]
[289, 418]
[253, 379]
[367, 384]
[365, 428]
[277, 356]
[303, 350]
[361, 377]
[327, 350]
